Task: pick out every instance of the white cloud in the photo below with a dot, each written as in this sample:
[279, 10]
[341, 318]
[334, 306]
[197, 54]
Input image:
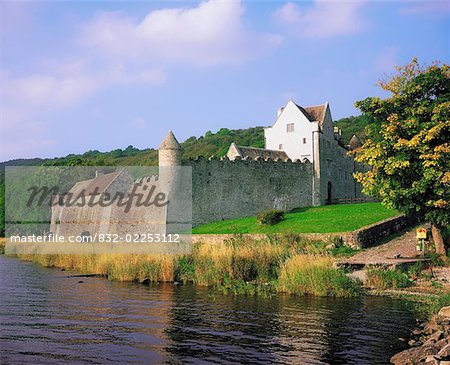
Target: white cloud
[25, 99]
[211, 33]
[47, 89]
[114, 49]
[60, 89]
[118, 50]
[324, 19]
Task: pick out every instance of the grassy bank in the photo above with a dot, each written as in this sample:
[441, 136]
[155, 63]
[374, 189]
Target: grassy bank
[305, 274]
[323, 219]
[238, 266]
[426, 305]
[415, 283]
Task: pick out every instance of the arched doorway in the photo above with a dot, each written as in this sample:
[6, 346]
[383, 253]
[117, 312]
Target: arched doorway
[329, 193]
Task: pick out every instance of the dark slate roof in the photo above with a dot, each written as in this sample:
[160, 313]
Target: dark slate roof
[88, 187]
[253, 153]
[354, 143]
[314, 113]
[170, 142]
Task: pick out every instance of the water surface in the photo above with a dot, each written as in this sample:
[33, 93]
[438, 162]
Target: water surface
[47, 317]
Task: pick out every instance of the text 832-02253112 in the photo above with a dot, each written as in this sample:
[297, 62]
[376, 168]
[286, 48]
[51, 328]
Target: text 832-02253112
[137, 237]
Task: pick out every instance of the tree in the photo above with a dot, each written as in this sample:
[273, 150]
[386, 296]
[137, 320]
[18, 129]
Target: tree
[350, 126]
[408, 145]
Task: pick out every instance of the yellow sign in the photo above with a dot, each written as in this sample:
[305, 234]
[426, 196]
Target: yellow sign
[421, 233]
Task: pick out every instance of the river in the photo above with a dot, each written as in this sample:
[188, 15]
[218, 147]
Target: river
[47, 317]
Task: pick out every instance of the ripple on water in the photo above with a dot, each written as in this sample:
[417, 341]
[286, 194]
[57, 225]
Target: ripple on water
[47, 317]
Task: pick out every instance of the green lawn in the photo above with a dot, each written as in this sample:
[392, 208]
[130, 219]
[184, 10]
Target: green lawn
[323, 219]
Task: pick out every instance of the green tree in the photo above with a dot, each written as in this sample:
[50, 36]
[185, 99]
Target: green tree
[408, 145]
[354, 126]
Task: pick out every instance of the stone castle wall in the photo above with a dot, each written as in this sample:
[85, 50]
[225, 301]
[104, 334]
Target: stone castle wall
[224, 189]
[337, 168]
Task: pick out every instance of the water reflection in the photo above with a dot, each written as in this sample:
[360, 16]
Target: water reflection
[285, 329]
[47, 317]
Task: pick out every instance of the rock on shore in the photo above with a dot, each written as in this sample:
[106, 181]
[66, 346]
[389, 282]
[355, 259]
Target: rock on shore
[432, 343]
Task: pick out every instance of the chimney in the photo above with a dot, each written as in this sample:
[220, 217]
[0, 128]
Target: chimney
[280, 110]
[337, 133]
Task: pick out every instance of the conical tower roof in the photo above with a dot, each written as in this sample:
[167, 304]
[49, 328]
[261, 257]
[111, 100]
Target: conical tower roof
[354, 142]
[170, 142]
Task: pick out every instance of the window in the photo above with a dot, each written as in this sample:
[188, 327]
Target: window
[290, 127]
[304, 140]
[280, 147]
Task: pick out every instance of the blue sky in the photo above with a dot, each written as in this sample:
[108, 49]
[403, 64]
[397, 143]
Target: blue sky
[78, 76]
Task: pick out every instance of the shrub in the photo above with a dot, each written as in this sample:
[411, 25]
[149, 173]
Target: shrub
[387, 279]
[417, 270]
[270, 217]
[436, 259]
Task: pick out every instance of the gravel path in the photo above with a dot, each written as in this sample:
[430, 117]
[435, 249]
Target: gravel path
[399, 249]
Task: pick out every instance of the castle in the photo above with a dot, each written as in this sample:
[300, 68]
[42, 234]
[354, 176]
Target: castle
[304, 164]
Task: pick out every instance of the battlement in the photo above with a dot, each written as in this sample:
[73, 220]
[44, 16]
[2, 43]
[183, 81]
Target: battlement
[247, 161]
[147, 179]
[224, 188]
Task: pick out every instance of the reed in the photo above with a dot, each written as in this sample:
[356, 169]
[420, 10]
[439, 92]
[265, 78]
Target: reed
[306, 274]
[236, 262]
[382, 279]
[238, 265]
[2, 245]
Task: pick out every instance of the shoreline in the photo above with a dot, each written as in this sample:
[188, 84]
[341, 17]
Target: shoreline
[242, 265]
[282, 317]
[266, 287]
[400, 294]
[430, 343]
[430, 340]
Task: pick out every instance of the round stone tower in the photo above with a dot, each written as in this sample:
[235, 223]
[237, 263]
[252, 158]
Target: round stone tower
[170, 151]
[169, 178]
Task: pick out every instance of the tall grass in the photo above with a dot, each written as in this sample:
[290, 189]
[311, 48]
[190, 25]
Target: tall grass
[114, 266]
[387, 279]
[302, 274]
[2, 245]
[239, 265]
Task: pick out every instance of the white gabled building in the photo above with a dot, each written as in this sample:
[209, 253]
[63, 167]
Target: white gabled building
[294, 129]
[308, 133]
